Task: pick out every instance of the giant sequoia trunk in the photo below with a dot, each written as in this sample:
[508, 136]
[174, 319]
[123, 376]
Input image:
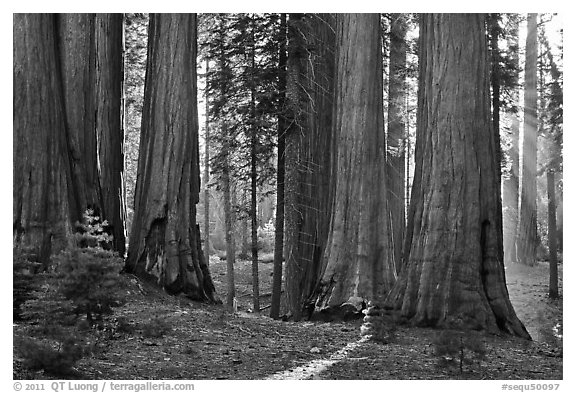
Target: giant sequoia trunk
[110, 124]
[90, 48]
[395, 157]
[309, 147]
[279, 221]
[359, 256]
[455, 271]
[41, 174]
[165, 239]
[526, 237]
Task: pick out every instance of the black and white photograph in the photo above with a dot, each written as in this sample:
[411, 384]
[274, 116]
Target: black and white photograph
[287, 196]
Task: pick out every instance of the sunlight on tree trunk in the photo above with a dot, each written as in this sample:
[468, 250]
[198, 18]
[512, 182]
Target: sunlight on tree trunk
[527, 239]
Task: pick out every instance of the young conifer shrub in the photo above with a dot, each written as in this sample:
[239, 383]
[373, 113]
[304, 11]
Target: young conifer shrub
[453, 348]
[88, 273]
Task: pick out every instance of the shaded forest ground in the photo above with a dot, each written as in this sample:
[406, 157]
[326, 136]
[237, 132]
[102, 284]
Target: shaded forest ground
[164, 337]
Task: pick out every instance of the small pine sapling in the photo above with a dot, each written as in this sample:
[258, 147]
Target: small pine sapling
[89, 274]
[453, 347]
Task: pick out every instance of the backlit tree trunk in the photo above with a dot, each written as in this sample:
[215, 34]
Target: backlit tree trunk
[526, 240]
[41, 174]
[359, 256]
[511, 184]
[165, 239]
[455, 272]
[207, 174]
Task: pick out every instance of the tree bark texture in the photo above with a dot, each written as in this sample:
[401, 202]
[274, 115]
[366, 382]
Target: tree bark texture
[165, 239]
[526, 240]
[279, 222]
[90, 48]
[396, 137]
[42, 214]
[359, 255]
[110, 124]
[511, 184]
[309, 194]
[455, 273]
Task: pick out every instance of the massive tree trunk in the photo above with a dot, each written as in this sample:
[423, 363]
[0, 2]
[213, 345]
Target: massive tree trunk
[77, 59]
[110, 124]
[165, 239]
[42, 215]
[309, 149]
[279, 222]
[359, 256]
[455, 271]
[90, 48]
[526, 240]
[511, 184]
[396, 138]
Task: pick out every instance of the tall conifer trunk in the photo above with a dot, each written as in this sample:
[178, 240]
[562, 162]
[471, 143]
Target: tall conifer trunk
[42, 214]
[511, 184]
[165, 240]
[526, 237]
[309, 193]
[359, 255]
[455, 270]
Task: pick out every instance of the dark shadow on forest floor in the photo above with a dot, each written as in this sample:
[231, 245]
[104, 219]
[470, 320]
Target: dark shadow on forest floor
[204, 342]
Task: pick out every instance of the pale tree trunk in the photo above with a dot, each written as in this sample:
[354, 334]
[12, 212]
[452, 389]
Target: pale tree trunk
[165, 239]
[455, 271]
[207, 174]
[526, 240]
[396, 138]
[553, 284]
[279, 222]
[359, 255]
[510, 198]
[309, 193]
[42, 215]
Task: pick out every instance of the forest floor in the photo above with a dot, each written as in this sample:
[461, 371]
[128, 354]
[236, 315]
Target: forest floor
[166, 337]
